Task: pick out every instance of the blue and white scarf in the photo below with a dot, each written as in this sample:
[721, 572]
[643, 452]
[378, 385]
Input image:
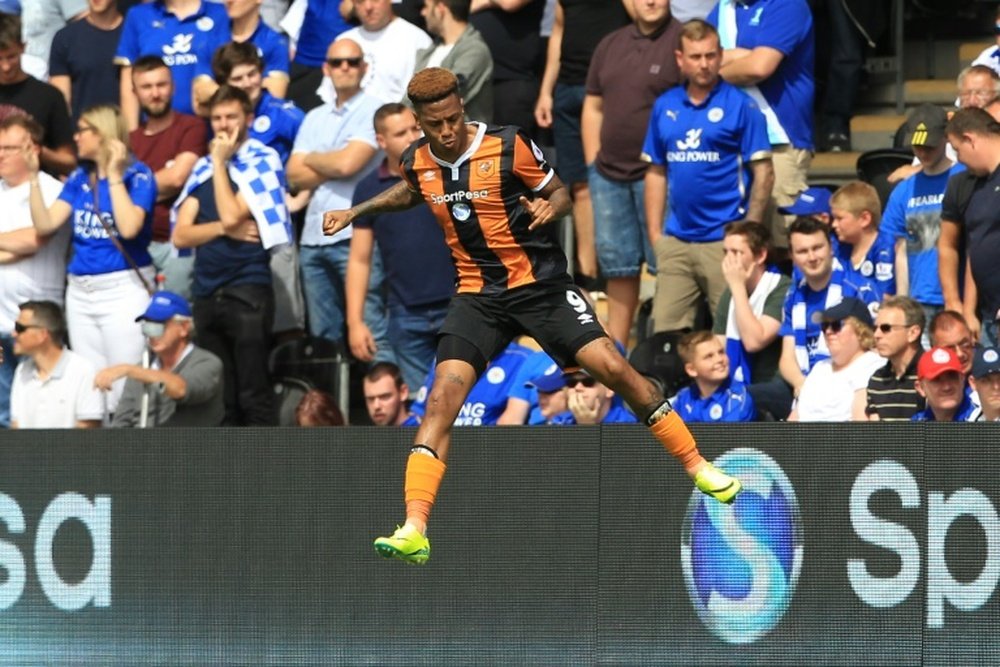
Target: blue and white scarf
[739, 358]
[727, 39]
[834, 295]
[260, 177]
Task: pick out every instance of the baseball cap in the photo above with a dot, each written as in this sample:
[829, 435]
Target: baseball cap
[848, 307]
[811, 201]
[164, 306]
[936, 361]
[549, 381]
[986, 362]
[926, 126]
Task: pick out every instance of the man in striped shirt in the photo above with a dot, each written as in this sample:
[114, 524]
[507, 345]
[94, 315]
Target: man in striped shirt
[892, 394]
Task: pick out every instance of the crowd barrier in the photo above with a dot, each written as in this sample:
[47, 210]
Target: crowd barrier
[854, 544]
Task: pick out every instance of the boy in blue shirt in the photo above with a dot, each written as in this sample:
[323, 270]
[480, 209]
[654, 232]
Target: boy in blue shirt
[913, 213]
[857, 212]
[713, 397]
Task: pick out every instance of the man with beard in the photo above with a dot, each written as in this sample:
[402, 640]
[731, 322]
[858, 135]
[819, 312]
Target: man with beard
[169, 142]
[232, 209]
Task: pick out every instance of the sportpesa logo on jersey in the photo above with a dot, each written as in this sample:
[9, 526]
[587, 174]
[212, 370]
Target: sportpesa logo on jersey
[741, 563]
[461, 195]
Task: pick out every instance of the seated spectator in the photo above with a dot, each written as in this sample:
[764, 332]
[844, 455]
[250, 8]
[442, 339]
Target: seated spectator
[811, 203]
[591, 402]
[386, 395]
[948, 329]
[857, 213]
[317, 408]
[941, 381]
[985, 379]
[892, 395]
[714, 396]
[824, 282]
[488, 397]
[749, 314]
[183, 385]
[553, 403]
[835, 390]
[522, 403]
[53, 386]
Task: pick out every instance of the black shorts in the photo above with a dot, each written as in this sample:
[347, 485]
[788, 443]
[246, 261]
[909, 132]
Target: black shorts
[554, 313]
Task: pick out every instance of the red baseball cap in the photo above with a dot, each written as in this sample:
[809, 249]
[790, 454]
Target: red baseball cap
[936, 361]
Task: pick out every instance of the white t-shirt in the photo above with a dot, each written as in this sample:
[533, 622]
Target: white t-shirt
[42, 276]
[65, 397]
[391, 54]
[827, 395]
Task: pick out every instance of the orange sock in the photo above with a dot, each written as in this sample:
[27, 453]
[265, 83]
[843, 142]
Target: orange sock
[675, 437]
[423, 477]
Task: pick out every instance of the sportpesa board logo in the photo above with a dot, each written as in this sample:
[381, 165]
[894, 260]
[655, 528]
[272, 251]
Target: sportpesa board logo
[741, 563]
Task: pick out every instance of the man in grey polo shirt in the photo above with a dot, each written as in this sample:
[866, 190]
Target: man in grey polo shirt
[183, 385]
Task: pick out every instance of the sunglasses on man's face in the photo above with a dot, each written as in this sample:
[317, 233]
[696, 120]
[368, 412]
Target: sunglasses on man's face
[886, 328]
[338, 62]
[21, 328]
[585, 380]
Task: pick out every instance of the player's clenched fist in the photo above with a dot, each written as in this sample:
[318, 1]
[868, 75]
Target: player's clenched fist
[334, 221]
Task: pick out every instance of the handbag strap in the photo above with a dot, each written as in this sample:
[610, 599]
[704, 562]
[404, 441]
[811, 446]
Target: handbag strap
[112, 234]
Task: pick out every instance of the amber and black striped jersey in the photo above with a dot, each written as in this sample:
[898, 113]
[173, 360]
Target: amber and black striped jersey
[476, 202]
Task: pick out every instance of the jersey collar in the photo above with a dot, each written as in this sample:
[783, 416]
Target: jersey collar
[469, 152]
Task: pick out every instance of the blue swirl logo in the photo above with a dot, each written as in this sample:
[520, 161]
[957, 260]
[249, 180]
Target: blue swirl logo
[742, 562]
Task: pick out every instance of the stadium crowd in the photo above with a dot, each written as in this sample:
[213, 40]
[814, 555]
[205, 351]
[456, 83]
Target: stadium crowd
[165, 167]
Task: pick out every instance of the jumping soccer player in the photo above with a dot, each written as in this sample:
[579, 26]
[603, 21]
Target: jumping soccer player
[493, 193]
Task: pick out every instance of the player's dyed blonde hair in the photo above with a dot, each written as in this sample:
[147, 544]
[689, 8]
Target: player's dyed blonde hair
[857, 197]
[431, 85]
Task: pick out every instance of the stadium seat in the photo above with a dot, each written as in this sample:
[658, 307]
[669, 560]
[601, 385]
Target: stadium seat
[875, 166]
[316, 362]
[657, 358]
[288, 393]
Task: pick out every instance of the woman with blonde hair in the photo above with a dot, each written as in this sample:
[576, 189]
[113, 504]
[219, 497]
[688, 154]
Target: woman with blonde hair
[836, 389]
[109, 199]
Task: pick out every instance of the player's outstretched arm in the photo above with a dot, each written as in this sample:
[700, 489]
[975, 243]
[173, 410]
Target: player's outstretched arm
[397, 198]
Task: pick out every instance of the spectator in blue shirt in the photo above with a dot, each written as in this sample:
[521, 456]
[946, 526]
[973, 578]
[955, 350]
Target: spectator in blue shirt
[183, 32]
[275, 121]
[868, 250]
[591, 402]
[769, 52]
[111, 272]
[913, 213]
[713, 396]
[709, 139]
[268, 43]
[550, 391]
[825, 282]
[941, 381]
[488, 398]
